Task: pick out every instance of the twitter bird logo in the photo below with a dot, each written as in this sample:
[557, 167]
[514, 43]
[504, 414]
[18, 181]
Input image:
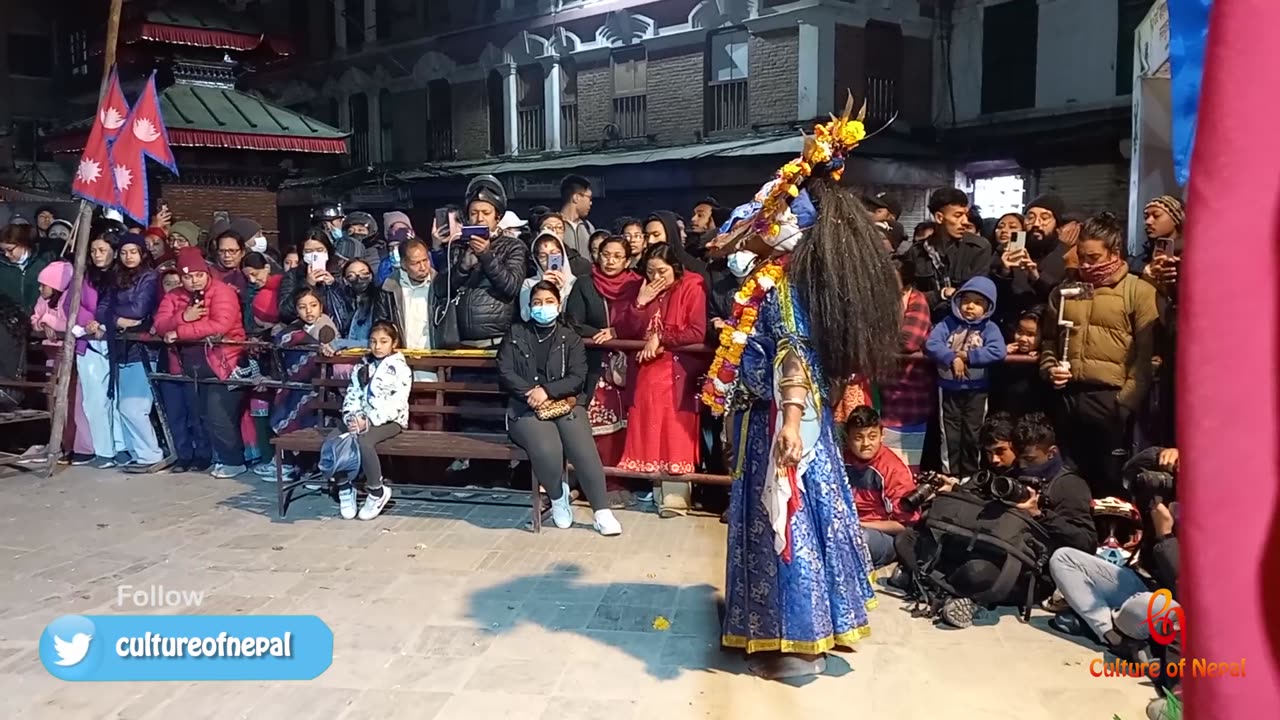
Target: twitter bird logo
[71, 653]
[65, 647]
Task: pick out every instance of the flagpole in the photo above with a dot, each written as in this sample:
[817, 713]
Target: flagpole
[62, 375]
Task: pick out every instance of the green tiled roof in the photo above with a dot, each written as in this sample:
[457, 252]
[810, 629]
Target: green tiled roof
[203, 19]
[214, 109]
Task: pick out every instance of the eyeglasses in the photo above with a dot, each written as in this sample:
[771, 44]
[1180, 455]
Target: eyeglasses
[229, 251]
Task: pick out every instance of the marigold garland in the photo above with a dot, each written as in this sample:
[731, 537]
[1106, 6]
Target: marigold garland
[828, 145]
[723, 373]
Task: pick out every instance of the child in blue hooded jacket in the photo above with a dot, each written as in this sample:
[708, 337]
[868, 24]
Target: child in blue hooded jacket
[964, 346]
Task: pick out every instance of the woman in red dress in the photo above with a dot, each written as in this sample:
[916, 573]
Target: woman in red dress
[617, 286]
[670, 311]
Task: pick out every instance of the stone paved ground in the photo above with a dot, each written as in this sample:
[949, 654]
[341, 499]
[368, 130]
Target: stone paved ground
[452, 612]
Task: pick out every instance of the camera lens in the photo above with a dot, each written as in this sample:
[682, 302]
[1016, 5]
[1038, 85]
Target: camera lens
[1010, 490]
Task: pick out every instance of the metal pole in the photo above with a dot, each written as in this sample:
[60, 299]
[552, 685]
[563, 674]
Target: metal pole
[62, 377]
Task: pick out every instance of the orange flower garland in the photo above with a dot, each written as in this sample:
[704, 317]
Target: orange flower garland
[723, 373]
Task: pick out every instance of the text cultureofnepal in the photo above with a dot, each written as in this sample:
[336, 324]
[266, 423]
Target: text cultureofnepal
[155, 645]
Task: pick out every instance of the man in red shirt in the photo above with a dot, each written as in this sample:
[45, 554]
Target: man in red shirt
[879, 480]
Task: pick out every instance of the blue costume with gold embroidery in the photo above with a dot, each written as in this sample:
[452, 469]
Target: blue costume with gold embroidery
[816, 594]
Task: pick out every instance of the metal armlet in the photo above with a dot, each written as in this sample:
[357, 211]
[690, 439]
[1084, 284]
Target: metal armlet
[790, 382]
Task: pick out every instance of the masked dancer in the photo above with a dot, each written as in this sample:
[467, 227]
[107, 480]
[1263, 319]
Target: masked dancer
[820, 305]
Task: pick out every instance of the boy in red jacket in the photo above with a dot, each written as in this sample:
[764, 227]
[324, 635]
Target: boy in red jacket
[205, 308]
[879, 480]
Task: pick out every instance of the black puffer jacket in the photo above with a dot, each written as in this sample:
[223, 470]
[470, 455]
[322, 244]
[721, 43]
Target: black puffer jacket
[566, 367]
[489, 284]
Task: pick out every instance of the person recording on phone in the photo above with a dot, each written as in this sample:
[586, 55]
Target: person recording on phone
[1032, 264]
[1113, 601]
[551, 263]
[319, 268]
[485, 268]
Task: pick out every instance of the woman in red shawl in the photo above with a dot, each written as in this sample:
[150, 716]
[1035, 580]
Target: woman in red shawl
[669, 311]
[615, 288]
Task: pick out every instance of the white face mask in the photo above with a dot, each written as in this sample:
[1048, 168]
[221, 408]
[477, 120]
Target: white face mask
[257, 244]
[312, 259]
[740, 262]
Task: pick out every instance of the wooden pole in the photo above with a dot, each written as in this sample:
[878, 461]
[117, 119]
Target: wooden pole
[62, 379]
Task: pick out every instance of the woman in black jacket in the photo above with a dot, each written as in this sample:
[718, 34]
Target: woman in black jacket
[543, 365]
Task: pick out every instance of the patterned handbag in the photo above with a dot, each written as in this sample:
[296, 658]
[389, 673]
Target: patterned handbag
[553, 409]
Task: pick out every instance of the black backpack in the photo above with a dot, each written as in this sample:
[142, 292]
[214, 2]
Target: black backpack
[962, 524]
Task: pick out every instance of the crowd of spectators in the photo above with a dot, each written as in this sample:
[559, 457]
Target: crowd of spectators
[1039, 348]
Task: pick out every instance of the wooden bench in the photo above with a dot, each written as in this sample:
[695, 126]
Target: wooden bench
[37, 376]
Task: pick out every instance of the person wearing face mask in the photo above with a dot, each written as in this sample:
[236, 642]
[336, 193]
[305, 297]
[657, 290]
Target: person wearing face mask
[360, 232]
[20, 265]
[357, 297]
[59, 234]
[1106, 374]
[727, 277]
[1025, 278]
[329, 218]
[542, 365]
[319, 268]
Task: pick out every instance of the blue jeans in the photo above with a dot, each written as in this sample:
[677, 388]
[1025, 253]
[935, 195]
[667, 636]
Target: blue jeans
[95, 369]
[880, 544]
[133, 413]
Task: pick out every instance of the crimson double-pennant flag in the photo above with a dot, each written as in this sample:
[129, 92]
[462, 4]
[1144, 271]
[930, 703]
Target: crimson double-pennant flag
[113, 169]
[94, 179]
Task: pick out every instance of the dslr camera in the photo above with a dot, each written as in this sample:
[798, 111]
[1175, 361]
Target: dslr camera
[1013, 490]
[927, 485]
[1147, 482]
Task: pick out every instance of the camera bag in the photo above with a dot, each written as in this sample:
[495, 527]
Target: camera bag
[961, 525]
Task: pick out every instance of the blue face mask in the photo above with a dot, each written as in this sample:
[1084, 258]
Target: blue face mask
[1046, 470]
[335, 233]
[544, 314]
[395, 256]
[740, 262]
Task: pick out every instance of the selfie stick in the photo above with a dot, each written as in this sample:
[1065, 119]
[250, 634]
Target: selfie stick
[1066, 325]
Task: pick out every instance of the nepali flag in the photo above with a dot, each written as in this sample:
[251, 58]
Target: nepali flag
[144, 135]
[94, 180]
[1228, 374]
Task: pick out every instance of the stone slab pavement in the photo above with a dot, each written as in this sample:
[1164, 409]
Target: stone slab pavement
[456, 612]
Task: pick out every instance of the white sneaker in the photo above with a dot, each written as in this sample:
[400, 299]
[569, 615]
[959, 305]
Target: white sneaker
[561, 509]
[373, 504]
[459, 465]
[606, 524]
[224, 472]
[266, 471]
[347, 502]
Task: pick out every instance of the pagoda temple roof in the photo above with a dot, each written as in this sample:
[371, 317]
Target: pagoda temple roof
[216, 117]
[208, 27]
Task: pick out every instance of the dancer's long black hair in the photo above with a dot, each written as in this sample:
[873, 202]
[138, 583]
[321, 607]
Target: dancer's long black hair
[848, 285]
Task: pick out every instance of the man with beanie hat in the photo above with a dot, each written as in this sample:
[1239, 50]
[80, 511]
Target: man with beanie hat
[184, 234]
[485, 270]
[1027, 276]
[1044, 214]
[1162, 219]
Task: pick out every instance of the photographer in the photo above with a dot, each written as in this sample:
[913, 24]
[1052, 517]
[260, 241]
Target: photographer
[484, 270]
[1114, 602]
[1052, 495]
[879, 480]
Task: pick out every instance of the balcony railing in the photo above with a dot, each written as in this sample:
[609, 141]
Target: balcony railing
[440, 142]
[531, 129]
[630, 114]
[727, 106]
[882, 100]
[569, 125]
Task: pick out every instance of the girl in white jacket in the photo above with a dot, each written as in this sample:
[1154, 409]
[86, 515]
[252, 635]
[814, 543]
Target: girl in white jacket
[376, 407]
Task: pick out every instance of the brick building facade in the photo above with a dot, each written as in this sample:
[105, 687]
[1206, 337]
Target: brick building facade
[533, 94]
